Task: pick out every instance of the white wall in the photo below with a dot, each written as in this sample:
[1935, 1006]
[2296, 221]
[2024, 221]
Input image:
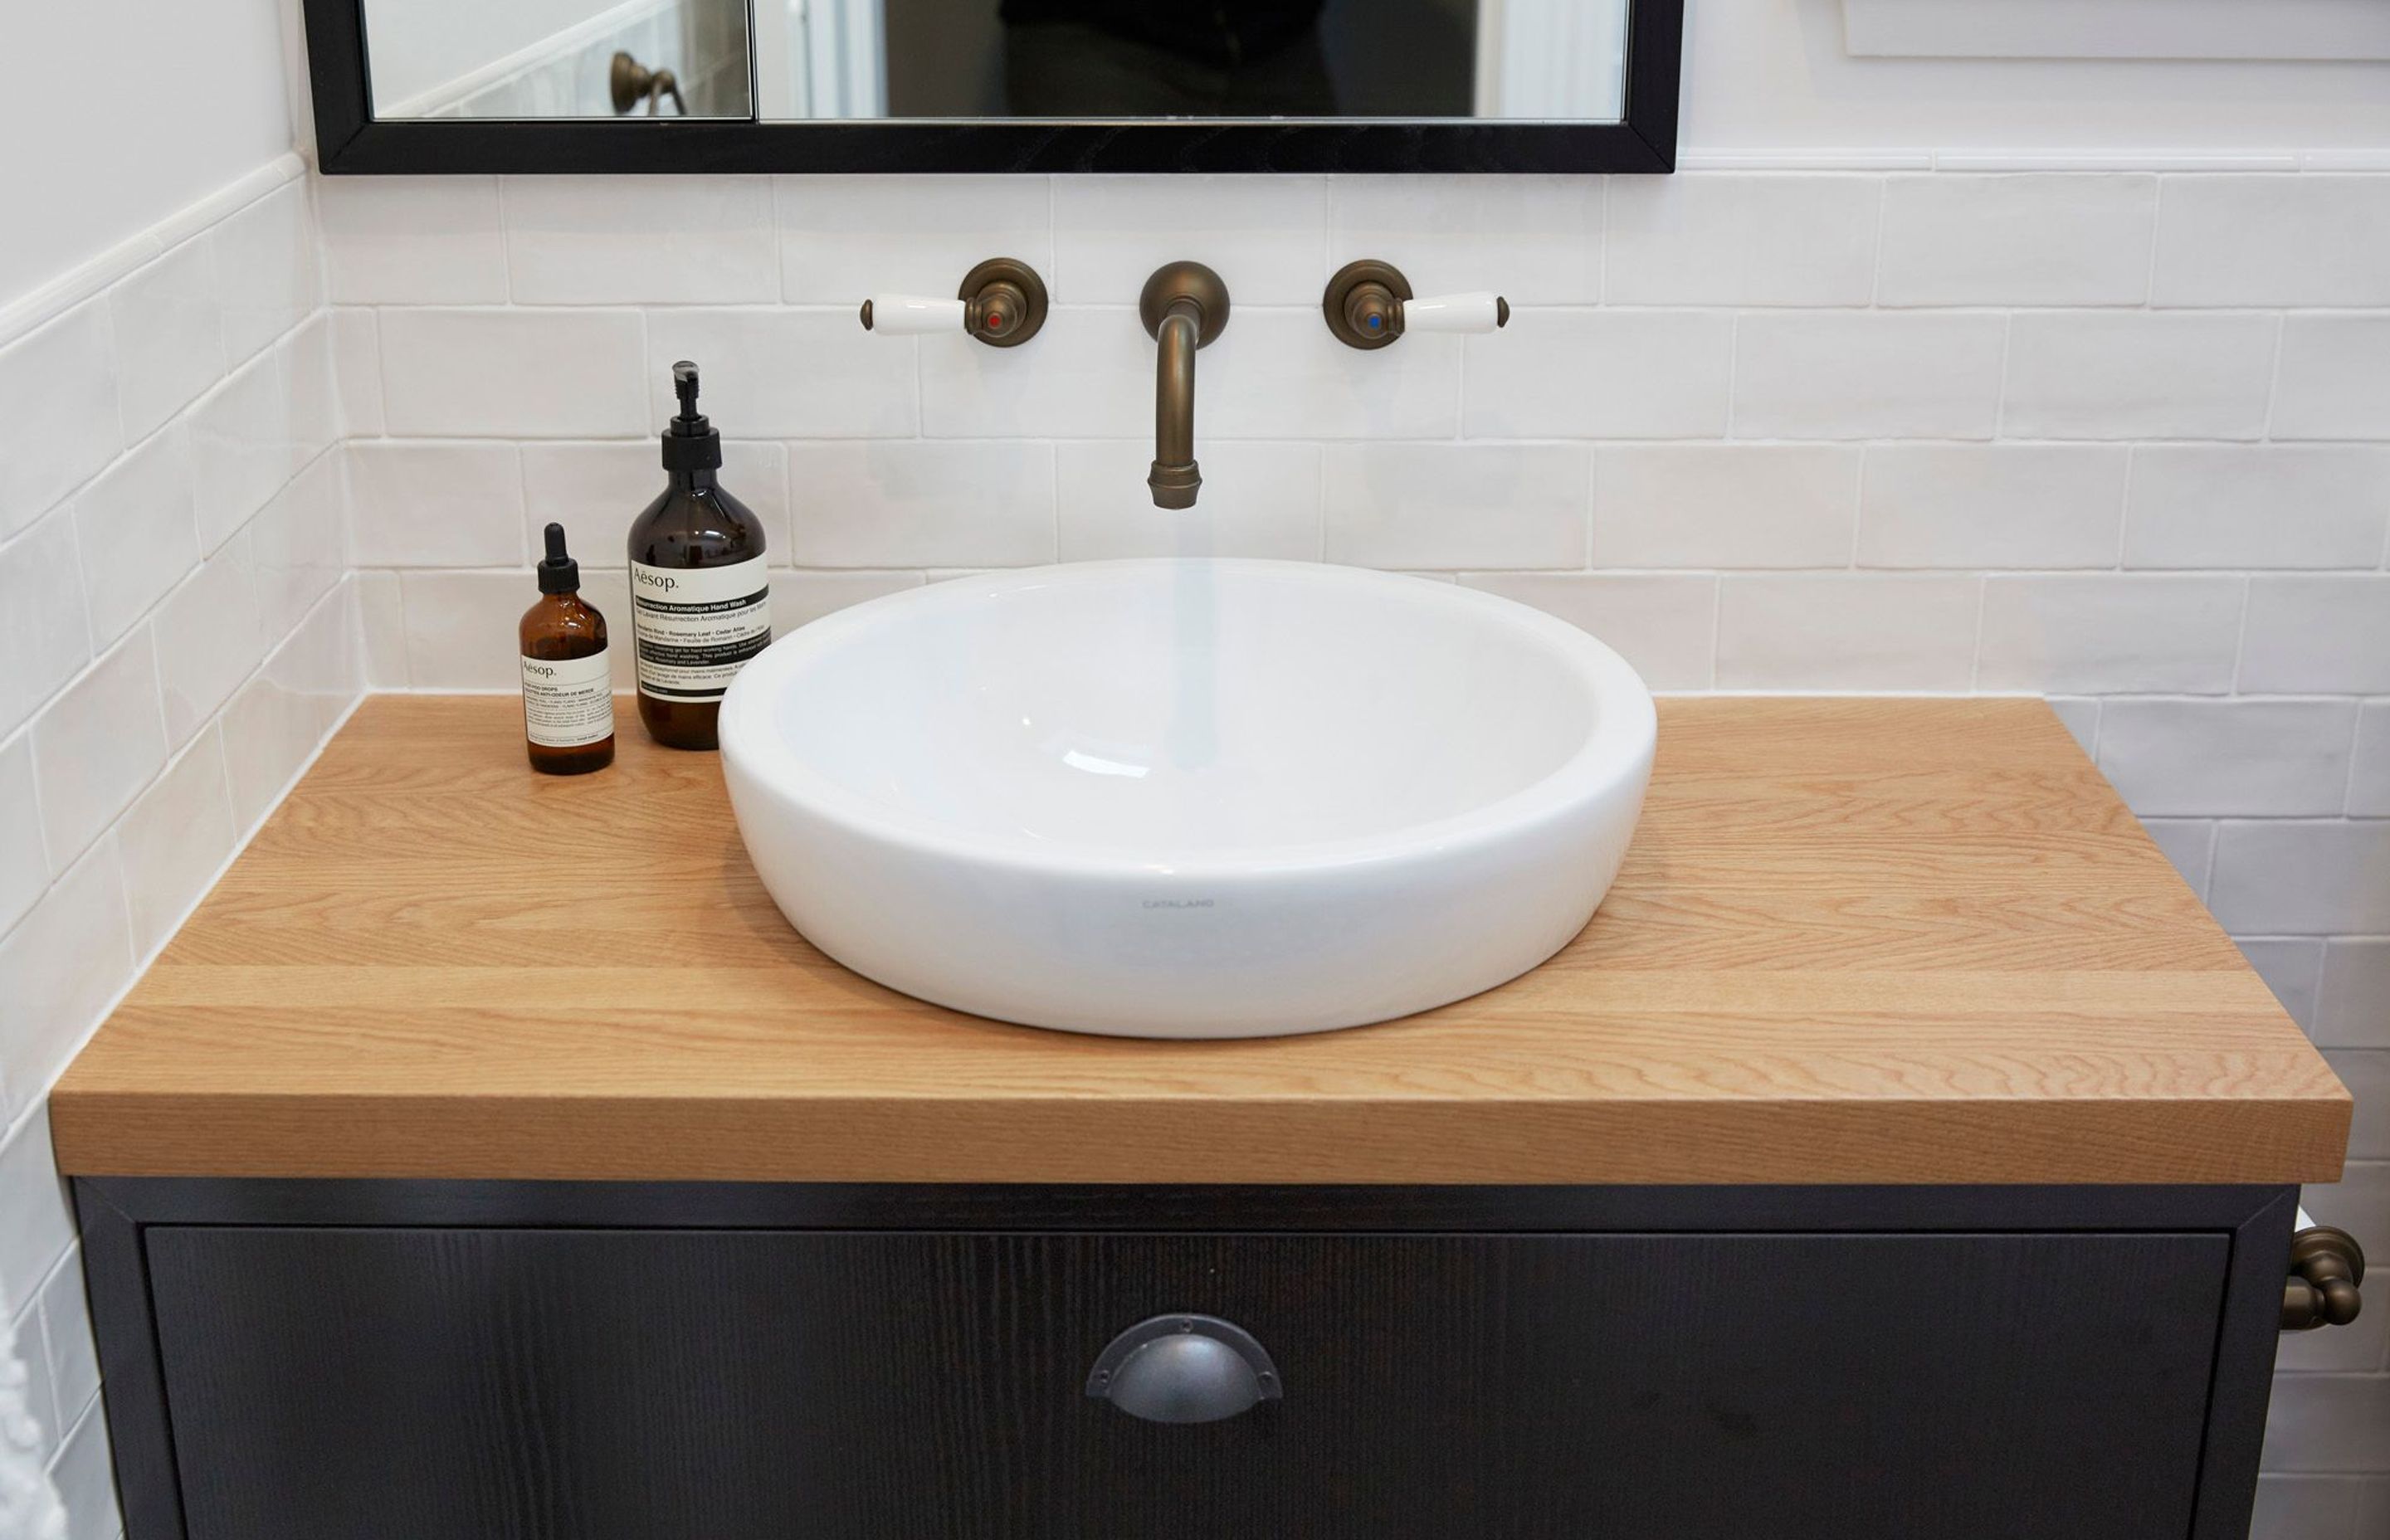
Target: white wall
[102, 140]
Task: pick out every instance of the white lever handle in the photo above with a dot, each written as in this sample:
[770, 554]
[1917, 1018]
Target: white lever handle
[913, 314]
[1479, 311]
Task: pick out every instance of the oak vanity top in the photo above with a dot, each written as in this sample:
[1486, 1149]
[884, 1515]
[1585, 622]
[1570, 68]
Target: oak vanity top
[1856, 941]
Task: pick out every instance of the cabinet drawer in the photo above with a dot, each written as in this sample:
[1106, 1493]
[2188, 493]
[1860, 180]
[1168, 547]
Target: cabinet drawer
[421, 1384]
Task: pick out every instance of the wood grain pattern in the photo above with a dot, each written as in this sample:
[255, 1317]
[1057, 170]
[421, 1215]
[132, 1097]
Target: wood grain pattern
[1856, 941]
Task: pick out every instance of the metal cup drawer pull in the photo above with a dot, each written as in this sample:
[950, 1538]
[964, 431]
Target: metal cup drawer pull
[1184, 1368]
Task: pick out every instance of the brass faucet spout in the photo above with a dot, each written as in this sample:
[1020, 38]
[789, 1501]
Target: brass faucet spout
[1183, 307]
[1175, 478]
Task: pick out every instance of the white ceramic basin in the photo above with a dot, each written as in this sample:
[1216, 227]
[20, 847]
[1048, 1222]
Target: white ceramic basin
[1188, 798]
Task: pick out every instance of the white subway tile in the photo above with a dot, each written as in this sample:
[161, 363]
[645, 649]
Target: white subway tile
[356, 370]
[2257, 505]
[174, 840]
[209, 637]
[276, 720]
[97, 745]
[2368, 781]
[1535, 240]
[648, 240]
[2052, 240]
[1846, 631]
[73, 1357]
[786, 374]
[2305, 1508]
[138, 522]
[922, 502]
[1609, 374]
[35, 1215]
[2317, 634]
[266, 269]
[1714, 505]
[1265, 236]
[799, 598]
[1931, 504]
[1258, 500]
[1446, 505]
[1664, 624]
[2274, 241]
[381, 627]
[845, 238]
[297, 547]
[311, 377]
[415, 503]
[84, 1473]
[460, 630]
[2080, 716]
[169, 329]
[1089, 374]
[2297, 878]
[2373, 1508]
[2289, 966]
[242, 449]
[2139, 375]
[2207, 758]
[1278, 374]
[44, 636]
[2335, 380]
[2187, 843]
[528, 373]
[58, 417]
[595, 490]
[1710, 239]
[2353, 1003]
[24, 868]
[424, 240]
[2098, 634]
[1866, 374]
[58, 969]
[35, 1428]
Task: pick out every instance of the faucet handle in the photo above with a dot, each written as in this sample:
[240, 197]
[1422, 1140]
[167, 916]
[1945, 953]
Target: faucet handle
[1368, 304]
[913, 314]
[1481, 311]
[1002, 301]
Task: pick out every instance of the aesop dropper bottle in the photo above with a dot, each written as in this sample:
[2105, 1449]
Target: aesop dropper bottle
[700, 599]
[568, 680]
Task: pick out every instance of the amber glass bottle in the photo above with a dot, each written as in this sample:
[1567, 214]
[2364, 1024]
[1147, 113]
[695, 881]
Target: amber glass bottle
[568, 680]
[700, 601]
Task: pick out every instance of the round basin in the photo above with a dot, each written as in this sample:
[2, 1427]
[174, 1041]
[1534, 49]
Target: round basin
[1189, 798]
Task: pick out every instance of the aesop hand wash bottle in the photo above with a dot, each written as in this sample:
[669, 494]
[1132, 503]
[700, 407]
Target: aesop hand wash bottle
[700, 601]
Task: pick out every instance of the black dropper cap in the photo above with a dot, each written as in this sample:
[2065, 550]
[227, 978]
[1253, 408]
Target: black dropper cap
[691, 444]
[558, 573]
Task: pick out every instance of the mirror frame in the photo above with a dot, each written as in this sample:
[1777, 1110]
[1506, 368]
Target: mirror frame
[349, 142]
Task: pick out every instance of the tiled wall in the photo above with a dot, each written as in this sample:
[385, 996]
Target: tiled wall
[178, 635]
[2119, 438]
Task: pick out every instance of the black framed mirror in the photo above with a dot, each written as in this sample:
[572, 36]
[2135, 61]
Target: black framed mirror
[994, 85]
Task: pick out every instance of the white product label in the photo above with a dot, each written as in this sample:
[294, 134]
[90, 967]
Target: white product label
[694, 626]
[568, 702]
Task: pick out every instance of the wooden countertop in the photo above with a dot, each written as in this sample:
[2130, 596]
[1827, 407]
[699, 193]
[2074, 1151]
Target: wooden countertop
[1866, 940]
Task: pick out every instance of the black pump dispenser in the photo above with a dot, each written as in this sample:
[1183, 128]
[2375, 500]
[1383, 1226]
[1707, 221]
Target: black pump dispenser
[558, 573]
[691, 444]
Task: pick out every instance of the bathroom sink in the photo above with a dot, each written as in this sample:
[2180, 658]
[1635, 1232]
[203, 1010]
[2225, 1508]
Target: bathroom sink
[1188, 798]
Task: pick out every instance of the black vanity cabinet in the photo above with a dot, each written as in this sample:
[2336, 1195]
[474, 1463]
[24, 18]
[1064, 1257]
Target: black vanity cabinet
[408, 1360]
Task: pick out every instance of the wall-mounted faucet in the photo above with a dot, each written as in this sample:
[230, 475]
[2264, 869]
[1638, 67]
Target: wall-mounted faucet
[1368, 304]
[1002, 302]
[1183, 307]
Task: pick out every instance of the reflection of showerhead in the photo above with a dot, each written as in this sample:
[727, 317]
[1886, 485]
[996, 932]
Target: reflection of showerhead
[633, 83]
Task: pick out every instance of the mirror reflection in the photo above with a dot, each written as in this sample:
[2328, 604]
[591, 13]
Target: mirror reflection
[558, 58]
[1551, 60]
